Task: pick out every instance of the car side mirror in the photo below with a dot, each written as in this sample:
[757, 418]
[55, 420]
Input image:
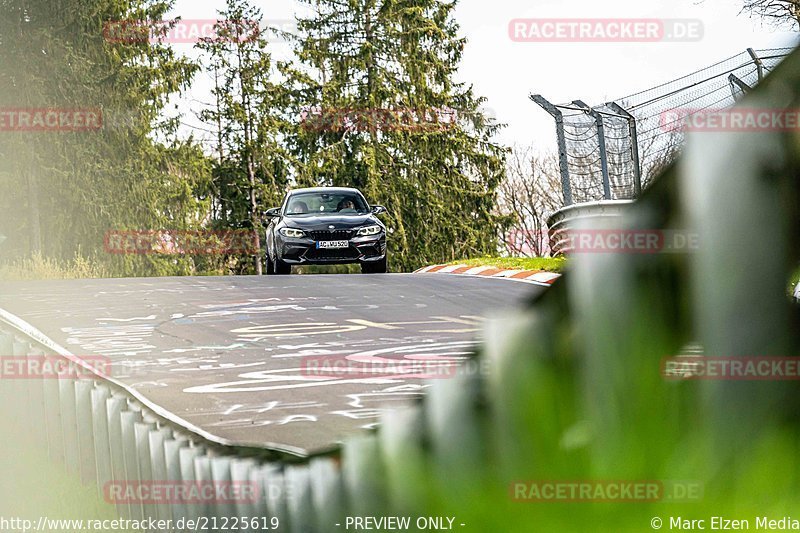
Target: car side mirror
[378, 209]
[272, 213]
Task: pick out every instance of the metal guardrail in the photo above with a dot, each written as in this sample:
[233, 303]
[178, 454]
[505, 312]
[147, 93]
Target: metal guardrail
[103, 433]
[589, 214]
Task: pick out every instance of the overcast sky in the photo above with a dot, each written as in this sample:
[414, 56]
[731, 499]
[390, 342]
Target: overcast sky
[506, 72]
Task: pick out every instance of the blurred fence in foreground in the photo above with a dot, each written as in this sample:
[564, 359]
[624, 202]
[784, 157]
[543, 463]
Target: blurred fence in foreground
[572, 388]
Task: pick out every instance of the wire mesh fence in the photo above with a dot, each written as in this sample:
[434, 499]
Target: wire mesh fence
[612, 150]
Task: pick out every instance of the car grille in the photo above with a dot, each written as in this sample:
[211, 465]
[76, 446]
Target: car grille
[332, 254]
[331, 234]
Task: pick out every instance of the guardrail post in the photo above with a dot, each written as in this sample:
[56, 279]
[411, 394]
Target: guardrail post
[6, 350]
[142, 435]
[37, 412]
[203, 477]
[100, 396]
[128, 421]
[115, 405]
[221, 477]
[300, 504]
[240, 477]
[187, 456]
[328, 493]
[401, 436]
[158, 463]
[734, 316]
[364, 476]
[450, 415]
[270, 478]
[52, 420]
[69, 424]
[172, 462]
[83, 421]
[21, 384]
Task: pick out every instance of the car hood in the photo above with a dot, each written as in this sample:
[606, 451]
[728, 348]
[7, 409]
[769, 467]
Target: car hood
[323, 222]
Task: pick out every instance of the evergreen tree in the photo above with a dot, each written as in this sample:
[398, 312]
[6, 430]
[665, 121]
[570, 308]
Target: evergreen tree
[375, 81]
[250, 173]
[62, 191]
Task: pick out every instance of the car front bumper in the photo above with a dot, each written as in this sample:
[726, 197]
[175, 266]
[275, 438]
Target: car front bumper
[296, 251]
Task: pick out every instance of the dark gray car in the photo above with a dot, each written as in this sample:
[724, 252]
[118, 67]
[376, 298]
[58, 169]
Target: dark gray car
[324, 226]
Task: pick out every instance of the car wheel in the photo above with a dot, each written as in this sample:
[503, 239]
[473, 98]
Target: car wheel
[374, 267]
[282, 268]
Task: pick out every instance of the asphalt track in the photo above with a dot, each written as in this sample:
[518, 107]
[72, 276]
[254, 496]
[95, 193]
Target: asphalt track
[235, 356]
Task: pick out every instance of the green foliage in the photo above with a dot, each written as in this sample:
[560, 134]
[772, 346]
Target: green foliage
[381, 59]
[250, 171]
[39, 267]
[550, 264]
[64, 190]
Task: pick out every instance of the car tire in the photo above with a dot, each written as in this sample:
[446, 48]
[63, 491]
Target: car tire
[281, 268]
[374, 267]
[270, 267]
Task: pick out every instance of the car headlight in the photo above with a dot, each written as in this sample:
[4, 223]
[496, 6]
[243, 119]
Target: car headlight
[369, 230]
[291, 232]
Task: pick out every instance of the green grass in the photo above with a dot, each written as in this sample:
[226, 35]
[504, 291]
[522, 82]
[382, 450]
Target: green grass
[550, 264]
[38, 267]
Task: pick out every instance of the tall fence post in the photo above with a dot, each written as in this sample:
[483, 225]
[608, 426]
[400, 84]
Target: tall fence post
[601, 140]
[562, 144]
[758, 63]
[637, 166]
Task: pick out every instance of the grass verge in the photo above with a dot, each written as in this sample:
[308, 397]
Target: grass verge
[550, 264]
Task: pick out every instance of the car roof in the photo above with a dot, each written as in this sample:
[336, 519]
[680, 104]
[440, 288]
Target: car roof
[324, 189]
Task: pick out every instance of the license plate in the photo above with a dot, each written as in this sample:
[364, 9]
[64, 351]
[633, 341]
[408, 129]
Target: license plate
[333, 244]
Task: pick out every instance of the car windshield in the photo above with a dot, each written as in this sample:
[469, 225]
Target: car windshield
[326, 203]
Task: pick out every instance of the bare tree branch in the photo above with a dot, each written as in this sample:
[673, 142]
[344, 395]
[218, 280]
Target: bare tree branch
[779, 12]
[530, 192]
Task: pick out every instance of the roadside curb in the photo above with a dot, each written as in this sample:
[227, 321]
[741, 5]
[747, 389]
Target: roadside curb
[537, 277]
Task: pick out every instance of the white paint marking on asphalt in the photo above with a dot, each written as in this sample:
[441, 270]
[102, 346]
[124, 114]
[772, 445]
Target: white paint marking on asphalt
[151, 317]
[197, 348]
[310, 353]
[371, 324]
[232, 409]
[462, 320]
[261, 333]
